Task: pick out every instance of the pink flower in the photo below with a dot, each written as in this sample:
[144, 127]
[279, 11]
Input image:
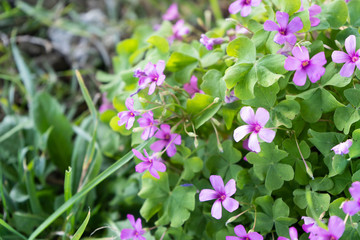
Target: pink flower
[244, 6]
[153, 164]
[351, 59]
[293, 235]
[242, 235]
[135, 233]
[342, 148]
[192, 87]
[309, 226]
[106, 104]
[167, 140]
[314, 10]
[128, 117]
[179, 30]
[172, 13]
[256, 123]
[352, 207]
[238, 30]
[285, 30]
[336, 228]
[300, 62]
[210, 42]
[152, 76]
[221, 194]
[149, 124]
[230, 97]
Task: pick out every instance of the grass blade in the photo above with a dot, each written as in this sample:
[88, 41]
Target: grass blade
[81, 230]
[86, 95]
[30, 186]
[87, 188]
[8, 227]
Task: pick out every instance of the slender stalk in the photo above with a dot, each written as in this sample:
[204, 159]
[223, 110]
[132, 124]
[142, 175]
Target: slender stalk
[216, 9]
[308, 170]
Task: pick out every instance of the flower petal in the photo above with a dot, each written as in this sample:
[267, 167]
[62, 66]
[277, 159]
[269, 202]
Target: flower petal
[315, 72]
[241, 132]
[267, 135]
[131, 219]
[351, 207]
[319, 59]
[247, 115]
[254, 143]
[255, 236]
[127, 233]
[292, 64]
[279, 39]
[301, 53]
[152, 88]
[158, 145]
[271, 26]
[153, 172]
[350, 44]
[314, 21]
[245, 11]
[294, 25]
[283, 19]
[230, 188]
[240, 231]
[230, 204]
[231, 238]
[139, 155]
[142, 167]
[355, 190]
[159, 166]
[314, 10]
[130, 123]
[235, 7]
[129, 103]
[255, 3]
[348, 69]
[300, 77]
[171, 150]
[293, 233]
[336, 226]
[262, 116]
[160, 66]
[216, 210]
[217, 183]
[340, 57]
[207, 194]
[290, 38]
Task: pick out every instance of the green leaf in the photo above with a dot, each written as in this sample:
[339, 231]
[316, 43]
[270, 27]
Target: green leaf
[332, 77]
[305, 19]
[213, 84]
[81, 229]
[47, 113]
[178, 206]
[354, 9]
[284, 112]
[289, 6]
[325, 141]
[344, 117]
[321, 184]
[264, 97]
[353, 96]
[243, 49]
[178, 61]
[159, 42]
[11, 229]
[336, 13]
[317, 203]
[354, 150]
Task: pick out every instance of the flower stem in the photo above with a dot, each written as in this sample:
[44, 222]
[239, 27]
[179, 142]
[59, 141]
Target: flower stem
[308, 170]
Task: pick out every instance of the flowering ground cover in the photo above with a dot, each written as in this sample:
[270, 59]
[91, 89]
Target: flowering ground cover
[243, 124]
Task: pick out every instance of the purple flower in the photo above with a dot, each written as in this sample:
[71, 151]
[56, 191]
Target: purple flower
[167, 139]
[336, 228]
[293, 235]
[244, 6]
[242, 235]
[210, 42]
[256, 123]
[352, 207]
[153, 164]
[106, 105]
[229, 98]
[314, 10]
[309, 226]
[135, 233]
[192, 87]
[172, 13]
[238, 30]
[221, 194]
[351, 59]
[151, 76]
[286, 49]
[342, 148]
[313, 67]
[149, 124]
[285, 31]
[179, 30]
[128, 117]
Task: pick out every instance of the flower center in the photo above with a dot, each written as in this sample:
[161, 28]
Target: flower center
[247, 2]
[305, 63]
[355, 58]
[150, 160]
[282, 32]
[167, 137]
[136, 234]
[155, 79]
[332, 238]
[132, 114]
[222, 197]
[257, 128]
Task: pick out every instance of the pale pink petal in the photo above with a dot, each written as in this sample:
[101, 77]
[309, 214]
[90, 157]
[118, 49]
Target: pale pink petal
[152, 88]
[124, 117]
[217, 183]
[294, 25]
[165, 128]
[177, 138]
[153, 172]
[158, 145]
[283, 19]
[314, 10]
[130, 123]
[279, 39]
[255, 236]
[314, 72]
[355, 190]
[247, 115]
[131, 219]
[159, 166]
[230, 204]
[292, 64]
[319, 59]
[207, 194]
[267, 135]
[271, 26]
[240, 230]
[282, 238]
[340, 57]
[138, 225]
[314, 21]
[290, 38]
[235, 7]
[262, 116]
[160, 80]
[300, 77]
[142, 167]
[149, 68]
[351, 207]
[348, 69]
[139, 155]
[336, 226]
[350, 45]
[171, 150]
[230, 188]
[231, 238]
[245, 11]
[293, 233]
[145, 134]
[255, 3]
[216, 210]
[127, 233]
[301, 53]
[241, 132]
[254, 143]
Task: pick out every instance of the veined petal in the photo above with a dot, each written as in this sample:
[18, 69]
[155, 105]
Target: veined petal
[267, 135]
[138, 225]
[127, 233]
[247, 115]
[299, 77]
[230, 204]
[142, 167]
[294, 25]
[271, 26]
[241, 132]
[355, 190]
[314, 10]
[158, 145]
[255, 236]
[230, 188]
[124, 117]
[283, 19]
[315, 72]
[254, 143]
[336, 226]
[207, 194]
[139, 155]
[152, 88]
[217, 183]
[129, 103]
[351, 207]
[262, 116]
[235, 7]
[348, 69]
[340, 57]
[350, 45]
[160, 66]
[130, 123]
[131, 219]
[301, 53]
[314, 21]
[240, 230]
[216, 210]
[171, 150]
[231, 238]
[319, 59]
[245, 11]
[159, 166]
[149, 68]
[293, 233]
[290, 38]
[292, 64]
[279, 39]
[153, 172]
